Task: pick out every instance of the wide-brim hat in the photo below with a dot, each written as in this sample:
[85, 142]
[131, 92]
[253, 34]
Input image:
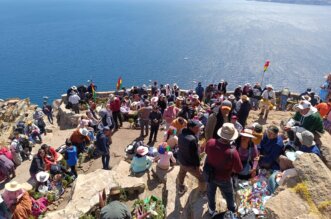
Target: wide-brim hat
[188, 101]
[180, 98]
[83, 131]
[244, 98]
[154, 99]
[115, 190]
[13, 186]
[231, 97]
[141, 150]
[228, 132]
[306, 138]
[42, 176]
[269, 86]
[247, 133]
[195, 96]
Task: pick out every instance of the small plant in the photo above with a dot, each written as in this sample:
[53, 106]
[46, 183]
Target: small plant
[87, 216]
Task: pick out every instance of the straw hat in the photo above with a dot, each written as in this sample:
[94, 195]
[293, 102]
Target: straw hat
[13, 186]
[115, 190]
[231, 97]
[195, 96]
[188, 101]
[244, 97]
[180, 98]
[141, 150]
[228, 132]
[83, 131]
[269, 86]
[247, 133]
[42, 176]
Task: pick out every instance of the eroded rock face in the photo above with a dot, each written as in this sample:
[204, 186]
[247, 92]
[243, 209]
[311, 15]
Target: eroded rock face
[86, 190]
[326, 149]
[66, 118]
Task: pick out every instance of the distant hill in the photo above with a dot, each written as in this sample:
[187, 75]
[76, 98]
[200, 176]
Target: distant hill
[307, 2]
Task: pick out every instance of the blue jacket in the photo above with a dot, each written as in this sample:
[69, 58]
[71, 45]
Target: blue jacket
[313, 149]
[270, 151]
[72, 156]
[140, 164]
[102, 143]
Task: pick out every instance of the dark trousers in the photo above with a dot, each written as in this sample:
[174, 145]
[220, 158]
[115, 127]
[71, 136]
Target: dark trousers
[105, 161]
[73, 170]
[75, 108]
[144, 126]
[80, 147]
[183, 170]
[227, 192]
[117, 118]
[50, 117]
[154, 130]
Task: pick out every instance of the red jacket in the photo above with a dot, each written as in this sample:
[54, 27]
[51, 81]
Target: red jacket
[219, 157]
[115, 105]
[50, 158]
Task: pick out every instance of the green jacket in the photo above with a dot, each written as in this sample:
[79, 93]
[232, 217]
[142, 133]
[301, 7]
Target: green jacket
[312, 123]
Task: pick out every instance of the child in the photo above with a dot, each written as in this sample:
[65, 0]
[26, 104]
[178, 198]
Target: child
[164, 157]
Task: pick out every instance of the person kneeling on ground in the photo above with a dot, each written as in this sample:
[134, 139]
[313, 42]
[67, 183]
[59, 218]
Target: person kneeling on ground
[141, 162]
[222, 160]
[308, 145]
[164, 157]
[270, 149]
[116, 209]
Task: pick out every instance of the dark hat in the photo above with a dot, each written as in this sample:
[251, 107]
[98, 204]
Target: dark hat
[193, 123]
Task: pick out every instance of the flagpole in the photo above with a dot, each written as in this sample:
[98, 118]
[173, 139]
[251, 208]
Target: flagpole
[261, 84]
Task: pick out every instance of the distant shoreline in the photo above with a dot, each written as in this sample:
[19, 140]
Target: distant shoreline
[299, 2]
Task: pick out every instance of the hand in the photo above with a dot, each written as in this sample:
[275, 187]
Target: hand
[140, 214]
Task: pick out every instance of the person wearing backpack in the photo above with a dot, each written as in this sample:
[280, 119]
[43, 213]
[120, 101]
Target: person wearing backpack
[16, 149]
[222, 160]
[70, 155]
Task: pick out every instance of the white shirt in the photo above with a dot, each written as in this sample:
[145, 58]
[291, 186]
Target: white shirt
[74, 99]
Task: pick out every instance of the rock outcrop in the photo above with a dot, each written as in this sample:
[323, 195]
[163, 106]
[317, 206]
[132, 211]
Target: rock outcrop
[310, 198]
[326, 149]
[85, 193]
[66, 118]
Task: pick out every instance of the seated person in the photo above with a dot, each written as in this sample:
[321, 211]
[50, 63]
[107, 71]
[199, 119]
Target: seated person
[37, 163]
[270, 148]
[306, 118]
[17, 200]
[171, 138]
[308, 145]
[51, 156]
[258, 133]
[164, 157]
[141, 162]
[248, 154]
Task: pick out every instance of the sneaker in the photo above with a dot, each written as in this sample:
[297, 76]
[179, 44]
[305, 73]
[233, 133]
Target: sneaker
[212, 213]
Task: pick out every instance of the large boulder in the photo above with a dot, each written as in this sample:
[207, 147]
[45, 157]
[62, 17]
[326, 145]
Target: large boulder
[66, 118]
[310, 198]
[86, 190]
[326, 149]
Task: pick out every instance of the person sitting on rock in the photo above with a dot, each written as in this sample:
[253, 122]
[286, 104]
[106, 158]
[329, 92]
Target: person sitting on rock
[308, 145]
[51, 156]
[141, 162]
[34, 132]
[306, 118]
[38, 163]
[7, 168]
[164, 157]
[270, 148]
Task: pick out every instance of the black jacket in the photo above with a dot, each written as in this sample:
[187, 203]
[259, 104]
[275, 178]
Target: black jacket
[37, 165]
[188, 153]
[155, 115]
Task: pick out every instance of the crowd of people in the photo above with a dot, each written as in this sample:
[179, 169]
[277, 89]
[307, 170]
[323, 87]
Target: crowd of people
[206, 133]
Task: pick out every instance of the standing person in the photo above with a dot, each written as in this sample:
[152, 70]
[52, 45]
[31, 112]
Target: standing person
[170, 114]
[80, 139]
[48, 111]
[71, 157]
[237, 92]
[74, 101]
[115, 106]
[154, 88]
[188, 156]
[256, 96]
[224, 160]
[268, 101]
[324, 108]
[326, 89]
[217, 119]
[222, 86]
[243, 110]
[38, 116]
[103, 142]
[284, 95]
[162, 103]
[199, 90]
[143, 114]
[156, 118]
[16, 149]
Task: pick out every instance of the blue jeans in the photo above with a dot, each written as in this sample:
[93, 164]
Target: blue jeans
[105, 161]
[283, 102]
[227, 192]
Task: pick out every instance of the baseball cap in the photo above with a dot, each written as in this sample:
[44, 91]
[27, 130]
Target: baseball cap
[304, 105]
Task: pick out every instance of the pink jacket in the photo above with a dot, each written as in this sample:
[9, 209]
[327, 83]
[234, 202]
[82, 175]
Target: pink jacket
[170, 114]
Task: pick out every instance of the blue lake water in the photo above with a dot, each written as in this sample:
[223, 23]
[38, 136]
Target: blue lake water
[47, 46]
